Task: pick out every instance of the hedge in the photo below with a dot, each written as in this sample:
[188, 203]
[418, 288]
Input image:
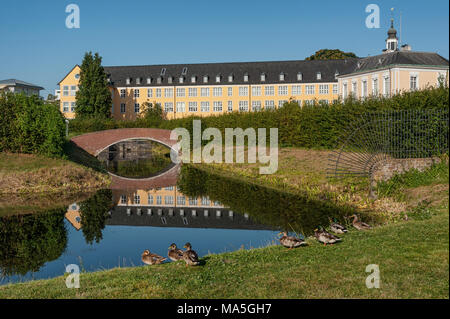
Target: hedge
[310, 126]
[28, 125]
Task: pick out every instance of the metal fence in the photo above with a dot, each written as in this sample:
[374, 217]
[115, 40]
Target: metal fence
[397, 134]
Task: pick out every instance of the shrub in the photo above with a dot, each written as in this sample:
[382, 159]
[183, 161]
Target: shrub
[30, 126]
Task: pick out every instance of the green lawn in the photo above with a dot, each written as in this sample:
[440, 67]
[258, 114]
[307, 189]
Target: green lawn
[413, 259]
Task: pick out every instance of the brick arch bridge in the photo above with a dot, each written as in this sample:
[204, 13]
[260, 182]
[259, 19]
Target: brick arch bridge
[94, 143]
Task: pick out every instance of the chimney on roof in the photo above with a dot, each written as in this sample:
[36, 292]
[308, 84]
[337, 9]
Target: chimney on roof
[405, 47]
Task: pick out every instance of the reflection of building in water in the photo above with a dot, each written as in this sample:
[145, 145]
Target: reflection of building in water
[167, 207]
[127, 151]
[73, 216]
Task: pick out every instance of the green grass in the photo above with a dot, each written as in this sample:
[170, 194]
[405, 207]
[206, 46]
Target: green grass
[10, 162]
[413, 259]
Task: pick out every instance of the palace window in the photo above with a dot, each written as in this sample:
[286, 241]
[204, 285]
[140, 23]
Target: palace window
[230, 106]
[282, 76]
[138, 81]
[310, 89]
[149, 93]
[263, 77]
[323, 89]
[243, 91]
[283, 90]
[217, 106]
[218, 78]
[205, 79]
[269, 104]
[168, 107]
[375, 86]
[73, 90]
[158, 200]
[168, 200]
[204, 106]
[269, 90]
[122, 93]
[181, 79]
[136, 93]
[192, 92]
[335, 89]
[181, 107]
[65, 107]
[192, 106]
[181, 92]
[149, 80]
[299, 76]
[168, 92]
[158, 92]
[344, 91]
[65, 90]
[204, 92]
[72, 107]
[413, 82]
[256, 91]
[296, 90]
[137, 199]
[319, 75]
[256, 105]
[230, 78]
[217, 91]
[181, 200]
[123, 199]
[193, 79]
[386, 86]
[230, 91]
[243, 106]
[206, 201]
[354, 88]
[245, 77]
[122, 107]
[150, 199]
[281, 103]
[364, 90]
[136, 107]
[192, 201]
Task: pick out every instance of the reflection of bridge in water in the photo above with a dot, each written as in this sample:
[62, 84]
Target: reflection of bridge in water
[189, 217]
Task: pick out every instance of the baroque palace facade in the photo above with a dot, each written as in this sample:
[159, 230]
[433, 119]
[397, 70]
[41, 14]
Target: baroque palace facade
[215, 88]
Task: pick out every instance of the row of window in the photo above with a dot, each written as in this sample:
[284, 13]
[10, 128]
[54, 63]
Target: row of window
[70, 90]
[66, 106]
[218, 78]
[169, 200]
[242, 90]
[217, 106]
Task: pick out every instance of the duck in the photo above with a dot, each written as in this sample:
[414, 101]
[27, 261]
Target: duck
[338, 228]
[291, 241]
[175, 253]
[190, 256]
[151, 259]
[325, 237]
[359, 225]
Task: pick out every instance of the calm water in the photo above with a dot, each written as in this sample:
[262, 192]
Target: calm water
[114, 226]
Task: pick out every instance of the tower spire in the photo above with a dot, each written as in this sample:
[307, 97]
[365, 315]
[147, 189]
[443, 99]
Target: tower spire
[392, 40]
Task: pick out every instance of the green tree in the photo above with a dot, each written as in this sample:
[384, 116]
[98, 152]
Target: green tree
[153, 114]
[93, 97]
[328, 54]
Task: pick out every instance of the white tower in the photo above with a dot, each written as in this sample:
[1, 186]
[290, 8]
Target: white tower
[392, 40]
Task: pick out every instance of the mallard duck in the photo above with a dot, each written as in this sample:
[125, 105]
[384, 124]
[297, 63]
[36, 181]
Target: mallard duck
[190, 256]
[338, 228]
[151, 259]
[325, 237]
[291, 241]
[175, 253]
[359, 225]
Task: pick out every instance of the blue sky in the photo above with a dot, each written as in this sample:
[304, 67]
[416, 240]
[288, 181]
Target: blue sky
[37, 47]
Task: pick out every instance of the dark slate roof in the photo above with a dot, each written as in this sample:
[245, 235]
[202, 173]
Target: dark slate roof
[272, 70]
[400, 58]
[19, 82]
[238, 221]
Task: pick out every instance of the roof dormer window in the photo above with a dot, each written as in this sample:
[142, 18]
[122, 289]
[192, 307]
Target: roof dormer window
[263, 77]
[181, 79]
[230, 78]
[299, 76]
[336, 74]
[205, 79]
[149, 80]
[128, 81]
[170, 80]
[281, 76]
[245, 77]
[138, 81]
[319, 75]
[218, 78]
[159, 79]
[193, 79]
[163, 71]
[184, 72]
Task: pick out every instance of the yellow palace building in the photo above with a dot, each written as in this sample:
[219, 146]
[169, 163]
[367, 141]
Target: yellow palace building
[215, 88]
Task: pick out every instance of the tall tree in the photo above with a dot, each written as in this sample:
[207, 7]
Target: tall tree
[93, 97]
[327, 54]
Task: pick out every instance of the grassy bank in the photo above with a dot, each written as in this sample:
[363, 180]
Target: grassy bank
[413, 258]
[32, 174]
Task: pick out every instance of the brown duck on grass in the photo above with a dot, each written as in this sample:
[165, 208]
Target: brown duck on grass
[359, 225]
[175, 253]
[325, 237]
[338, 228]
[190, 256]
[151, 259]
[291, 241]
